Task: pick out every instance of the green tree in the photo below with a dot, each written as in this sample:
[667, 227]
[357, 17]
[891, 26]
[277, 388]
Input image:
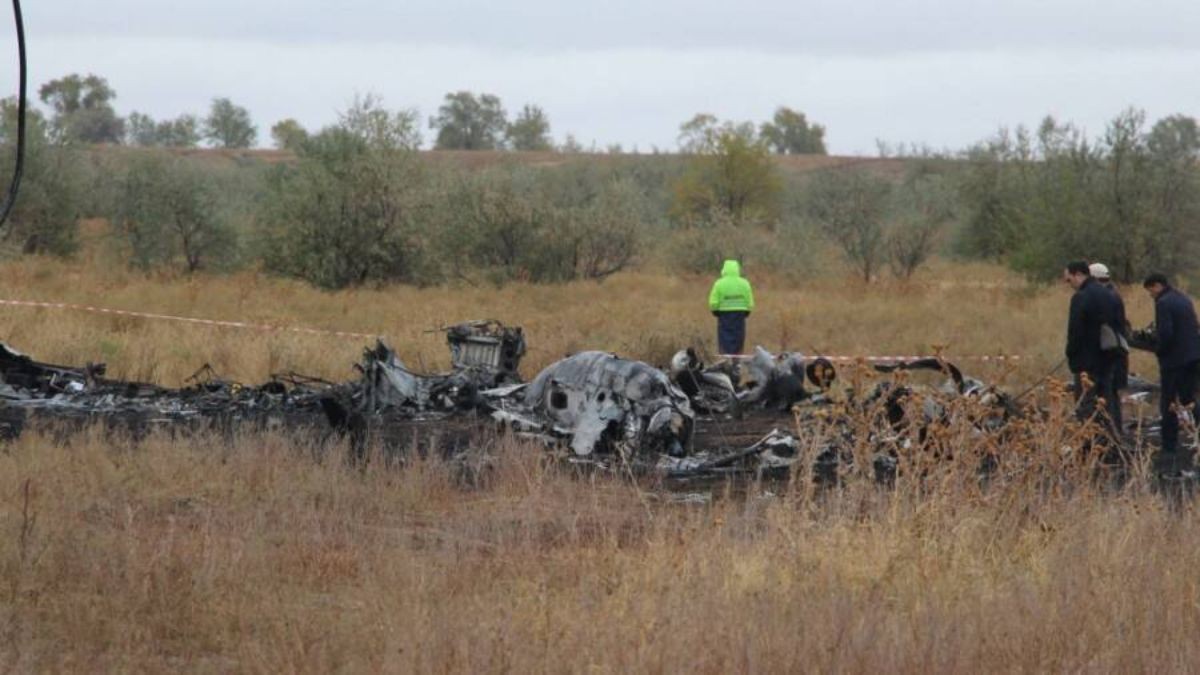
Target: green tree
[171, 210]
[991, 191]
[229, 125]
[922, 206]
[702, 134]
[1173, 144]
[530, 131]
[604, 236]
[789, 133]
[1150, 192]
[732, 173]
[181, 132]
[513, 222]
[1130, 198]
[381, 129]
[82, 108]
[288, 134]
[571, 146]
[1126, 195]
[1176, 137]
[469, 122]
[45, 217]
[140, 130]
[850, 207]
[493, 222]
[698, 134]
[346, 212]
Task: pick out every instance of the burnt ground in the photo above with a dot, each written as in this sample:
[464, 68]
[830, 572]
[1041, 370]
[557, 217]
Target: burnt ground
[727, 433]
[433, 434]
[450, 436]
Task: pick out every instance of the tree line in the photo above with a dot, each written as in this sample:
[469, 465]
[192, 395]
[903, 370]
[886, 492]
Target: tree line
[1130, 197]
[359, 204]
[82, 110]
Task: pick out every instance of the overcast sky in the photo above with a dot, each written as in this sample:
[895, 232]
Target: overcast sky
[940, 72]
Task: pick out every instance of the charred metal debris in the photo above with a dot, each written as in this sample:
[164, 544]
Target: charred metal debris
[689, 421]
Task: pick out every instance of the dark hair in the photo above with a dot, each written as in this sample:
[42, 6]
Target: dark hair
[1078, 267]
[1156, 279]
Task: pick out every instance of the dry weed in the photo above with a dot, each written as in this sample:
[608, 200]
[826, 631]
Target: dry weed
[261, 554]
[251, 554]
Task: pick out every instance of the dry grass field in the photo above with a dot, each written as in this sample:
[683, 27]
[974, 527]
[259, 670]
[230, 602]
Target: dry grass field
[964, 310]
[206, 555]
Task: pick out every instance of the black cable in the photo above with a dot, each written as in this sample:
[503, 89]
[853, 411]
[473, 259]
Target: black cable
[1042, 381]
[20, 163]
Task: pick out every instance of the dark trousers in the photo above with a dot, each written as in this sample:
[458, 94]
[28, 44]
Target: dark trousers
[731, 332]
[1178, 391]
[1102, 386]
[1121, 373]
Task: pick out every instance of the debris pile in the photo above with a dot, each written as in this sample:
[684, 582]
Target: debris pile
[604, 404]
[487, 344]
[691, 421]
[74, 396]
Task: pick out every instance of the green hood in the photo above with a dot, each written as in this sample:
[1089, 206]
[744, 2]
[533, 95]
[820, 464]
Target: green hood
[731, 292]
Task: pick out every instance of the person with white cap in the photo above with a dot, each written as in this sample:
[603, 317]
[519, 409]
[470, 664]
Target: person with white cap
[1121, 369]
[1091, 357]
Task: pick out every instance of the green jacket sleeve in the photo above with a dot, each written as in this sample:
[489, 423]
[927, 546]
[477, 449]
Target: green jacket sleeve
[714, 297]
[749, 296]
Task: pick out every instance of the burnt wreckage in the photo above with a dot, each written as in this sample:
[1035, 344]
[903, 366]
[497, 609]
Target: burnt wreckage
[689, 421]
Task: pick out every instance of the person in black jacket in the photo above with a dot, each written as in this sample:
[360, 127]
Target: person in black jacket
[1100, 273]
[1177, 346]
[1092, 306]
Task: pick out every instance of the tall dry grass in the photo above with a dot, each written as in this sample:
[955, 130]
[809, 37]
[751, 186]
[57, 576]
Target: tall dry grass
[966, 309]
[258, 554]
[200, 555]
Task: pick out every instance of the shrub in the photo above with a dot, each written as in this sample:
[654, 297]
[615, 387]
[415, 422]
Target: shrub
[345, 213]
[172, 210]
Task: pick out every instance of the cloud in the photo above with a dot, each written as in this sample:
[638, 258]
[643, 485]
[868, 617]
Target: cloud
[640, 96]
[630, 73]
[780, 26]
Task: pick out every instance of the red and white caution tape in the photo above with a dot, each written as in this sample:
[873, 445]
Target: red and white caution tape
[889, 359]
[344, 333]
[185, 319]
[943, 357]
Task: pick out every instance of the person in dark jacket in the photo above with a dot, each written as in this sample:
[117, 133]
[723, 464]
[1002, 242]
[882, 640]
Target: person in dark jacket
[1100, 273]
[1092, 306]
[1177, 346]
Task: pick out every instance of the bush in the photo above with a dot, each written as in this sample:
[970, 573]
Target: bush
[733, 174]
[851, 208]
[45, 217]
[875, 221]
[514, 222]
[170, 209]
[593, 235]
[791, 250]
[1130, 198]
[921, 207]
[345, 213]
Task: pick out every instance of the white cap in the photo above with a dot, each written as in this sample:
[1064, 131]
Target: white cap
[1098, 270]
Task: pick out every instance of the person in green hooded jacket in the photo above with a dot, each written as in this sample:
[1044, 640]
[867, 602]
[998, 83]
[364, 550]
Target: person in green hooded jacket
[731, 301]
